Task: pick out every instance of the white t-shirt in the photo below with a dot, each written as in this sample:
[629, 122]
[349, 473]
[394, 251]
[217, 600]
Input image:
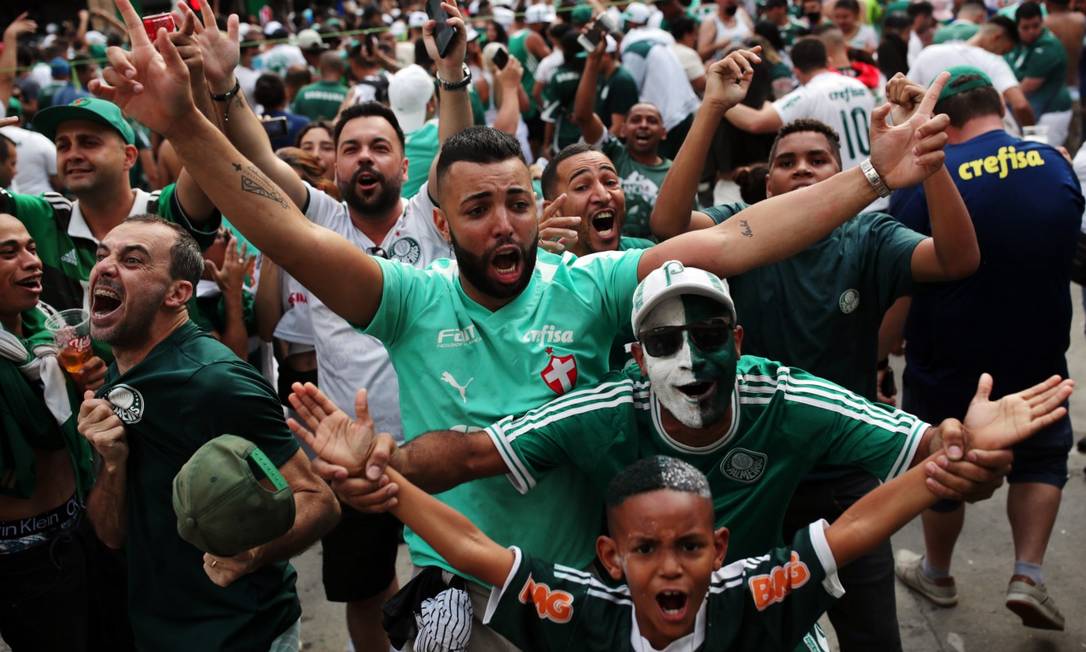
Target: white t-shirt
[547, 65]
[916, 46]
[841, 102]
[936, 58]
[661, 79]
[246, 79]
[347, 360]
[36, 160]
[294, 325]
[865, 39]
[690, 60]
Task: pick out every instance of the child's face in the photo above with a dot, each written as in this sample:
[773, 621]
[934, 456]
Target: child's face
[665, 547]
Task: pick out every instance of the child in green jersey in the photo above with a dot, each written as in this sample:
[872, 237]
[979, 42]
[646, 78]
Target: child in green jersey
[663, 546]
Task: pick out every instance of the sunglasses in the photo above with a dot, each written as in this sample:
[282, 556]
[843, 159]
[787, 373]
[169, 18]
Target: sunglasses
[709, 335]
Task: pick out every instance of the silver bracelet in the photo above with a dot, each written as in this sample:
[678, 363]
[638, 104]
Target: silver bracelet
[877, 184]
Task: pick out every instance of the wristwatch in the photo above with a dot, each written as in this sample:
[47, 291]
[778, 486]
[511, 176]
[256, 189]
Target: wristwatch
[455, 86]
[877, 184]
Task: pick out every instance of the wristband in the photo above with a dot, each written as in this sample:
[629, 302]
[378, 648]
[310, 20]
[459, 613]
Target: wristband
[873, 178]
[455, 86]
[228, 95]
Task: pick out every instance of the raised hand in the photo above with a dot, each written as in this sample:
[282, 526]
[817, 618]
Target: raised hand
[450, 67]
[150, 83]
[335, 437]
[558, 232]
[21, 25]
[904, 96]
[1015, 417]
[236, 266]
[906, 154]
[728, 80]
[221, 50]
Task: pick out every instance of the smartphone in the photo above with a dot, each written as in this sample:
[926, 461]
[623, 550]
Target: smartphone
[590, 39]
[151, 24]
[501, 58]
[443, 34]
[275, 127]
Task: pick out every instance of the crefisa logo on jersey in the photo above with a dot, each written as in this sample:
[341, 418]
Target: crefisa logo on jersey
[560, 374]
[743, 465]
[127, 403]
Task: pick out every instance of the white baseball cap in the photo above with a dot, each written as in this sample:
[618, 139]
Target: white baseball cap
[398, 29]
[674, 279]
[503, 16]
[309, 40]
[508, 4]
[472, 34]
[637, 13]
[409, 91]
[416, 19]
[537, 14]
[272, 26]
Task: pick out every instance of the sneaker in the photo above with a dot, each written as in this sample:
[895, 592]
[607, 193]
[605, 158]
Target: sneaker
[1031, 602]
[909, 568]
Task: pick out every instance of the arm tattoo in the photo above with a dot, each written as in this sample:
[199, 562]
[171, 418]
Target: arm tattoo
[747, 233]
[254, 181]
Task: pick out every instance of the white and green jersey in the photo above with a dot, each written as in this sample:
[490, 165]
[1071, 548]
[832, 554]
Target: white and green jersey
[463, 366]
[785, 422]
[769, 602]
[841, 102]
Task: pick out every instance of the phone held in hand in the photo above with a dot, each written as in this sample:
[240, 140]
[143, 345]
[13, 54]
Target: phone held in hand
[590, 39]
[501, 58]
[443, 34]
[151, 24]
[275, 127]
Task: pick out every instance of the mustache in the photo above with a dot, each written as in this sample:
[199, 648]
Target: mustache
[369, 169]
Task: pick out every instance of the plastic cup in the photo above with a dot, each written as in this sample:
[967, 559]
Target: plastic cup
[71, 333]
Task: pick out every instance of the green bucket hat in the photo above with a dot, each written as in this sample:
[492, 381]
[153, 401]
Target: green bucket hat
[221, 506]
[91, 109]
[958, 84]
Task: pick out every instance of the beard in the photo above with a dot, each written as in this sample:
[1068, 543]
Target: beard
[135, 328]
[474, 267]
[386, 196]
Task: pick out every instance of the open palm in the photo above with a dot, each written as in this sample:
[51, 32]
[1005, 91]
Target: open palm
[221, 50]
[335, 437]
[1001, 424]
[906, 154]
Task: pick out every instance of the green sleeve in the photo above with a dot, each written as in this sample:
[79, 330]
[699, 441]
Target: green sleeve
[623, 94]
[405, 293]
[32, 210]
[846, 430]
[169, 207]
[723, 212]
[789, 589]
[542, 606]
[240, 402]
[889, 258]
[478, 111]
[590, 428]
[1042, 62]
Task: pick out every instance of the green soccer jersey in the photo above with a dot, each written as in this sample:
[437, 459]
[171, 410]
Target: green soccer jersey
[518, 48]
[461, 365]
[67, 247]
[420, 148]
[640, 183]
[959, 30]
[784, 423]
[821, 309]
[320, 100]
[615, 94]
[558, 97]
[768, 602]
[188, 390]
[1046, 59]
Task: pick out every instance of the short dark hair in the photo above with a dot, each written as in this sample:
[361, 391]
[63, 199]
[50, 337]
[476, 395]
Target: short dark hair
[896, 22]
[270, 91]
[297, 76]
[653, 474]
[771, 33]
[1009, 27]
[6, 152]
[477, 145]
[848, 5]
[974, 103]
[186, 258]
[922, 8]
[368, 110]
[550, 173]
[809, 53]
[682, 26]
[1027, 10]
[808, 125]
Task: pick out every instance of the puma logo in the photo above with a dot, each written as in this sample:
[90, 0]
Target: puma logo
[463, 389]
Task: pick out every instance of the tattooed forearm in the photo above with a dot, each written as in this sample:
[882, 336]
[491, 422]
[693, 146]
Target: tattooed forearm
[747, 233]
[253, 181]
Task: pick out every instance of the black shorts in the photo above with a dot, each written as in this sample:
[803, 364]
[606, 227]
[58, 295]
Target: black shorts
[287, 377]
[359, 559]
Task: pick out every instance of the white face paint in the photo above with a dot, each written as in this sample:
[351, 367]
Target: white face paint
[669, 373]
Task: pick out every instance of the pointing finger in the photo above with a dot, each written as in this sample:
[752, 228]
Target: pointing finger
[927, 105]
[133, 24]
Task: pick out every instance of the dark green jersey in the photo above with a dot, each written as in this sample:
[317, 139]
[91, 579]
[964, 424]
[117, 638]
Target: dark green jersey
[188, 390]
[785, 422]
[320, 100]
[67, 247]
[640, 183]
[821, 309]
[615, 94]
[769, 602]
[558, 96]
[1045, 59]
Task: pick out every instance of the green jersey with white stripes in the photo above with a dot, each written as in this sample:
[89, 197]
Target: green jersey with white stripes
[784, 423]
[769, 602]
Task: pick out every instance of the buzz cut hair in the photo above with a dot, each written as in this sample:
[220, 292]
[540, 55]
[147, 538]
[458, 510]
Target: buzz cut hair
[186, 258]
[549, 180]
[808, 125]
[654, 474]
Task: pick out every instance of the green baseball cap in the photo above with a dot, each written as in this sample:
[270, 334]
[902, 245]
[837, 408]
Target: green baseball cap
[221, 506]
[91, 109]
[958, 84]
[580, 15]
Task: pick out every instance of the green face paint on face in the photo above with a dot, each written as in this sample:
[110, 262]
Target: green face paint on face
[694, 384]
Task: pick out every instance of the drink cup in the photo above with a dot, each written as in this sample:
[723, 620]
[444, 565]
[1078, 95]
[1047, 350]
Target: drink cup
[71, 333]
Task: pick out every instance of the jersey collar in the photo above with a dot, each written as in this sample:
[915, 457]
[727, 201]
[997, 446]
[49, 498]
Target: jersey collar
[692, 641]
[78, 227]
[697, 450]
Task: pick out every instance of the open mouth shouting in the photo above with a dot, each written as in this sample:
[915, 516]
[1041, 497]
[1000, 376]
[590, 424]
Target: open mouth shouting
[31, 283]
[673, 605]
[507, 261]
[603, 223]
[642, 137]
[368, 180]
[106, 302]
[698, 391]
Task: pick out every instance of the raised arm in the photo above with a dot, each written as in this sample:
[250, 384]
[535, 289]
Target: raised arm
[507, 92]
[152, 85]
[764, 120]
[584, 103]
[1020, 106]
[727, 84]
[781, 226]
[454, 107]
[8, 59]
